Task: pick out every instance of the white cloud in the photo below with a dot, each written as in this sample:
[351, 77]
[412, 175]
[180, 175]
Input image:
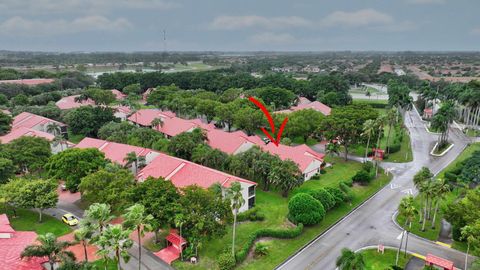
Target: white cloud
[80, 6]
[269, 37]
[241, 22]
[395, 27]
[475, 31]
[363, 17]
[426, 2]
[19, 26]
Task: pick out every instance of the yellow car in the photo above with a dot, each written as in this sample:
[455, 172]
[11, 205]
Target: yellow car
[69, 219]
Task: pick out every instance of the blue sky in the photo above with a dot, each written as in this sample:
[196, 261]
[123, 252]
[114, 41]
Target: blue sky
[242, 25]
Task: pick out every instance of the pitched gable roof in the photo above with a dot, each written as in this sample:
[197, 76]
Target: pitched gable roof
[23, 131]
[67, 103]
[116, 152]
[30, 120]
[28, 81]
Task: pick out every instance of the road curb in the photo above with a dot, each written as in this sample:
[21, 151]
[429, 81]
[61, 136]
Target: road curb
[329, 228]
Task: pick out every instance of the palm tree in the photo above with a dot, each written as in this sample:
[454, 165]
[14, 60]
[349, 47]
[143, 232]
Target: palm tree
[368, 129]
[49, 247]
[408, 211]
[419, 180]
[391, 120]
[99, 214]
[441, 121]
[137, 219]
[234, 194]
[379, 123]
[332, 148]
[59, 140]
[441, 188]
[115, 238]
[53, 128]
[349, 260]
[157, 123]
[471, 233]
[179, 220]
[137, 161]
[84, 235]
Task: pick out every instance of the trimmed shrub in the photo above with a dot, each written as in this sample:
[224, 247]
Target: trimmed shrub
[226, 261]
[348, 182]
[367, 166]
[261, 249]
[324, 197]
[241, 255]
[303, 208]
[337, 194]
[251, 215]
[347, 191]
[393, 148]
[362, 177]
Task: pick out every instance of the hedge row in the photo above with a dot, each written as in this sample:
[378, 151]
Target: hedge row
[241, 255]
[250, 215]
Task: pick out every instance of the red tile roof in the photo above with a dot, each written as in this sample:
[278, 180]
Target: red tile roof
[23, 131]
[30, 120]
[316, 105]
[118, 95]
[123, 109]
[116, 152]
[228, 142]
[145, 117]
[184, 173]
[29, 81]
[11, 248]
[69, 102]
[300, 154]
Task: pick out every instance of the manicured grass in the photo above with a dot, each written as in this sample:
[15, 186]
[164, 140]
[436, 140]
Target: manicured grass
[473, 133]
[75, 138]
[27, 220]
[100, 264]
[300, 140]
[275, 209]
[464, 155]
[378, 261]
[372, 100]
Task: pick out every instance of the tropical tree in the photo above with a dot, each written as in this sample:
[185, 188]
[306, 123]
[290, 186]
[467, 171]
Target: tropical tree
[471, 233]
[136, 218]
[84, 235]
[350, 260]
[54, 128]
[136, 160]
[99, 214]
[391, 117]
[332, 148]
[368, 130]
[117, 240]
[234, 194]
[441, 188]
[419, 180]
[5, 123]
[408, 211]
[157, 123]
[49, 247]
[38, 194]
[441, 121]
[380, 124]
[179, 220]
[286, 176]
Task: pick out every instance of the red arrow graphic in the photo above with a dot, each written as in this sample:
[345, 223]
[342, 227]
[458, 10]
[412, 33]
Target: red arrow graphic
[276, 141]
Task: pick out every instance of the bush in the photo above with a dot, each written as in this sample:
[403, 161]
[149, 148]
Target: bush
[226, 261]
[367, 166]
[303, 208]
[451, 177]
[348, 182]
[337, 194]
[241, 255]
[456, 233]
[324, 197]
[261, 249]
[393, 148]
[362, 177]
[323, 171]
[347, 191]
[251, 215]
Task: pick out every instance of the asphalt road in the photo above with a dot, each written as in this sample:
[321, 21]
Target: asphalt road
[371, 223]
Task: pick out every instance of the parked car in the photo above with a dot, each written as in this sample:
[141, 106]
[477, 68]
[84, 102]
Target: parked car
[69, 219]
[266, 140]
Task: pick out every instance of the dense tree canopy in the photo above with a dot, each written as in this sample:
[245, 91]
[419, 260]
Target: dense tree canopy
[5, 123]
[87, 120]
[28, 153]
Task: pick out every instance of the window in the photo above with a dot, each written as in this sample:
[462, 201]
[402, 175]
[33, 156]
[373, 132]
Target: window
[251, 202]
[251, 191]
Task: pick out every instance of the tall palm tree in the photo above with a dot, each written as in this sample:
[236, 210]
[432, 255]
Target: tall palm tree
[137, 219]
[179, 220]
[133, 158]
[368, 129]
[85, 235]
[54, 128]
[157, 123]
[234, 194]
[99, 214]
[408, 211]
[49, 247]
[441, 121]
[441, 188]
[419, 180]
[471, 233]
[115, 238]
[349, 260]
[59, 140]
[379, 123]
[391, 120]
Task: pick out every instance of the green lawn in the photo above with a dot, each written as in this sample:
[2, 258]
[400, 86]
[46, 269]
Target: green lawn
[430, 233]
[100, 264]
[275, 209]
[27, 220]
[379, 261]
[75, 138]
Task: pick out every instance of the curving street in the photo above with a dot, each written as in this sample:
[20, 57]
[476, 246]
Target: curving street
[372, 223]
